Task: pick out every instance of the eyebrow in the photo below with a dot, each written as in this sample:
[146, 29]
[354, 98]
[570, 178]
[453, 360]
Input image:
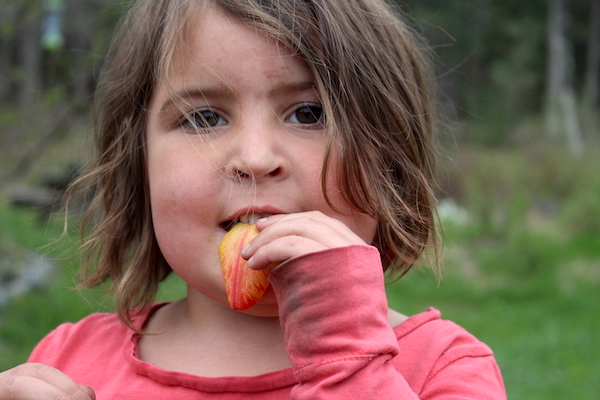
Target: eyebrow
[225, 92]
[194, 93]
[288, 87]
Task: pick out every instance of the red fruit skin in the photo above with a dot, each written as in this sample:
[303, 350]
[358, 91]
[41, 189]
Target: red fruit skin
[244, 286]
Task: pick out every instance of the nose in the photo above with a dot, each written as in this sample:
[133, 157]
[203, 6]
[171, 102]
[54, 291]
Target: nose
[257, 153]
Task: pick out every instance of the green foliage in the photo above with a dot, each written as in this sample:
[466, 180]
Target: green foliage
[491, 59]
[530, 296]
[523, 272]
[581, 212]
[31, 316]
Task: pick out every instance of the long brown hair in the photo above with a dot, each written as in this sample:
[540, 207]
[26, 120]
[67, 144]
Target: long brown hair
[372, 75]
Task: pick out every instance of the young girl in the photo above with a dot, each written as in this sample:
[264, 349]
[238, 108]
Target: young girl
[310, 116]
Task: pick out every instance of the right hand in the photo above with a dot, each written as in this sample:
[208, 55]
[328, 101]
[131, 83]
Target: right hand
[41, 382]
[285, 236]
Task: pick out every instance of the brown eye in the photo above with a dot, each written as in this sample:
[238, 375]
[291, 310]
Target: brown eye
[311, 114]
[202, 119]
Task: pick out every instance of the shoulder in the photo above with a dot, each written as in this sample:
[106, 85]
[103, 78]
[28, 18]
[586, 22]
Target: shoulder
[94, 328]
[429, 330]
[434, 352]
[88, 336]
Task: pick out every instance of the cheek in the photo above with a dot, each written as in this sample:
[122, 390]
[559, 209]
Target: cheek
[367, 228]
[177, 200]
[179, 191]
[167, 190]
[176, 169]
[363, 225]
[183, 214]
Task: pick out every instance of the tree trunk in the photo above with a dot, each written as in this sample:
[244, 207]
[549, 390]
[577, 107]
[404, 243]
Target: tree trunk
[480, 14]
[8, 14]
[591, 94]
[562, 119]
[30, 56]
[591, 85]
[82, 20]
[5, 67]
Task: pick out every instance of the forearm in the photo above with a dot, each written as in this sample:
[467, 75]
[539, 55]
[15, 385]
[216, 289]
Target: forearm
[333, 311]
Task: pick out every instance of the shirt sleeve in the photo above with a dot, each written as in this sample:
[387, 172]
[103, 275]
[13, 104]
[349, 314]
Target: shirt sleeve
[48, 349]
[333, 311]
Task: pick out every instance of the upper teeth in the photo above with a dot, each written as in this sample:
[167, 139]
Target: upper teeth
[251, 218]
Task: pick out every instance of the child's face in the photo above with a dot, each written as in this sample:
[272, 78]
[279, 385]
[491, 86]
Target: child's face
[263, 154]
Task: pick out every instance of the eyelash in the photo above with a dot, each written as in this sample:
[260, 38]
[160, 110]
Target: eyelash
[312, 110]
[192, 119]
[206, 118]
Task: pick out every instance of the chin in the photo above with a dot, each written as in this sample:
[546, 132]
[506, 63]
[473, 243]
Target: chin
[265, 307]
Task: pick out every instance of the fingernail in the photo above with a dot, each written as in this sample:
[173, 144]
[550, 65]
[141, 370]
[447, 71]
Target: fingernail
[244, 250]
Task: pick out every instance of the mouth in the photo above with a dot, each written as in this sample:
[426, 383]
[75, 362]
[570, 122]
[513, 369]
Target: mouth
[248, 218]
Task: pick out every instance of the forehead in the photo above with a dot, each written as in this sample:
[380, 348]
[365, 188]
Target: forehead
[216, 46]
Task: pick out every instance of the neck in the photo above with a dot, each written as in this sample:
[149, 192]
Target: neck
[200, 336]
[204, 315]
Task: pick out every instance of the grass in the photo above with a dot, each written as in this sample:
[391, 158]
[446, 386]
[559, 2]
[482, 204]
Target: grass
[30, 317]
[539, 321]
[521, 272]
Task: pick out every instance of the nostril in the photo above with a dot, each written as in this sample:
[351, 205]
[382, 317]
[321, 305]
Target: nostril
[240, 174]
[243, 170]
[275, 172]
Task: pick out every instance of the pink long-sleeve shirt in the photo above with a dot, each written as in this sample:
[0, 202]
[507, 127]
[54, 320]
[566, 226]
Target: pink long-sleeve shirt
[341, 346]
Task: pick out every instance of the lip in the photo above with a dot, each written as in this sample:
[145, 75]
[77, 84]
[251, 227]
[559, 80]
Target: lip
[225, 224]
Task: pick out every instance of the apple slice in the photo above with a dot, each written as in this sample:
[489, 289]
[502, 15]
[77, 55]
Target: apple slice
[244, 286]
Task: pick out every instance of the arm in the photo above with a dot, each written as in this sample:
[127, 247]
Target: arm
[333, 311]
[332, 307]
[334, 314]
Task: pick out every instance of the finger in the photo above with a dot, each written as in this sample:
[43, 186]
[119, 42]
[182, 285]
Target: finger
[343, 230]
[32, 388]
[292, 235]
[283, 232]
[38, 381]
[89, 391]
[283, 249]
[313, 225]
[308, 215]
[286, 236]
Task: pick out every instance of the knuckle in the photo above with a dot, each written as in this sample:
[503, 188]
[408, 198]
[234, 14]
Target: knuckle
[8, 385]
[63, 396]
[42, 371]
[31, 380]
[14, 383]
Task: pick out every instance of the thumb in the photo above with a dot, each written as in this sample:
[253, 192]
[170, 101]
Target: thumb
[89, 391]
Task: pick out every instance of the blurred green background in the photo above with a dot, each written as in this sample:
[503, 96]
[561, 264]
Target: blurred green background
[519, 179]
